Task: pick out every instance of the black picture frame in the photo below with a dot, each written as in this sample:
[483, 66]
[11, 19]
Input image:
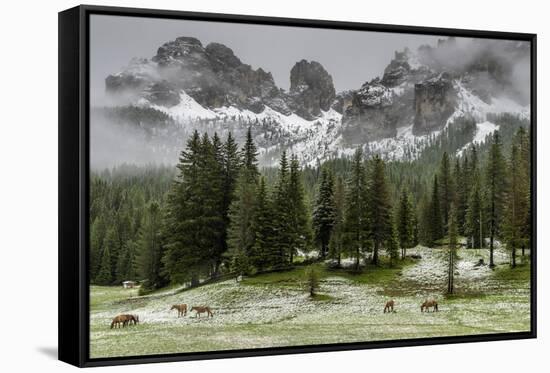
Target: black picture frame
[74, 182]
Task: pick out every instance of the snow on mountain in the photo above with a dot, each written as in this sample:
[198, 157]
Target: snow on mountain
[471, 105]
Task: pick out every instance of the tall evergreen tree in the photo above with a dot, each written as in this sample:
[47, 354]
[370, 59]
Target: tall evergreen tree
[356, 226]
[392, 246]
[282, 213]
[496, 189]
[250, 154]
[446, 189]
[461, 175]
[149, 260]
[241, 234]
[474, 217]
[324, 211]
[263, 255]
[405, 223]
[435, 219]
[453, 241]
[336, 243]
[300, 234]
[378, 206]
[517, 205]
[104, 276]
[186, 232]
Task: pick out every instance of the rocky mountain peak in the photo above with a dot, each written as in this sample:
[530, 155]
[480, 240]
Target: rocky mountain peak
[312, 88]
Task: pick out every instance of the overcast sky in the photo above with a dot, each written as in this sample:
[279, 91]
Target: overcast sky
[351, 57]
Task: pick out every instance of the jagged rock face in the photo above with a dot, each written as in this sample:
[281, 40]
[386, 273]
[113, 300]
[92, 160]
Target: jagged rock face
[311, 88]
[434, 102]
[162, 93]
[371, 114]
[212, 75]
[342, 101]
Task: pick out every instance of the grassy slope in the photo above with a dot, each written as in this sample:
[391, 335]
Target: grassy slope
[275, 310]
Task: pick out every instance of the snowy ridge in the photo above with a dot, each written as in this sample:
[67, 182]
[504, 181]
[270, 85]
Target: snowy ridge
[318, 140]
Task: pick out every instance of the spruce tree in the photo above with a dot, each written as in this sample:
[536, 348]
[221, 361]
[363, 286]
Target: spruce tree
[300, 230]
[378, 206]
[105, 273]
[517, 209]
[262, 256]
[185, 254]
[453, 241]
[446, 189]
[405, 223]
[356, 226]
[496, 189]
[474, 217]
[392, 246]
[150, 250]
[283, 231]
[462, 192]
[250, 154]
[324, 211]
[336, 243]
[435, 219]
[241, 233]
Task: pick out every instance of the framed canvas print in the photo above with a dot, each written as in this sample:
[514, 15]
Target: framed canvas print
[234, 186]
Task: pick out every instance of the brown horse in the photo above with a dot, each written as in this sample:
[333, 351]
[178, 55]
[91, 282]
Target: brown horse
[182, 309]
[200, 310]
[124, 320]
[389, 306]
[427, 304]
[132, 319]
[120, 320]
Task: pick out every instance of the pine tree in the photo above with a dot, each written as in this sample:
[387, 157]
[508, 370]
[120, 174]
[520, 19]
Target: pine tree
[241, 233]
[517, 205]
[282, 215]
[262, 256]
[405, 223]
[231, 164]
[378, 206]
[150, 250]
[185, 248]
[524, 148]
[250, 154]
[300, 230]
[392, 246]
[324, 211]
[213, 217]
[474, 217]
[496, 188]
[453, 241]
[435, 219]
[446, 189]
[462, 192]
[356, 227]
[105, 274]
[336, 243]
[98, 231]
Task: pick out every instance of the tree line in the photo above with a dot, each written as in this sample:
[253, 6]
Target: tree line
[222, 214]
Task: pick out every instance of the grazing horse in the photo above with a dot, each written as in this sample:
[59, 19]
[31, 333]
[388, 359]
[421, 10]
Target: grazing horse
[182, 309]
[200, 310]
[120, 320]
[427, 304]
[132, 319]
[389, 306]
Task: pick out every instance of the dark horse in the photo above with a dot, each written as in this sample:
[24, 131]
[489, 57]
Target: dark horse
[428, 304]
[124, 320]
[389, 306]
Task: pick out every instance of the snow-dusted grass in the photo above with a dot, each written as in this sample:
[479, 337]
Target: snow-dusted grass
[275, 310]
